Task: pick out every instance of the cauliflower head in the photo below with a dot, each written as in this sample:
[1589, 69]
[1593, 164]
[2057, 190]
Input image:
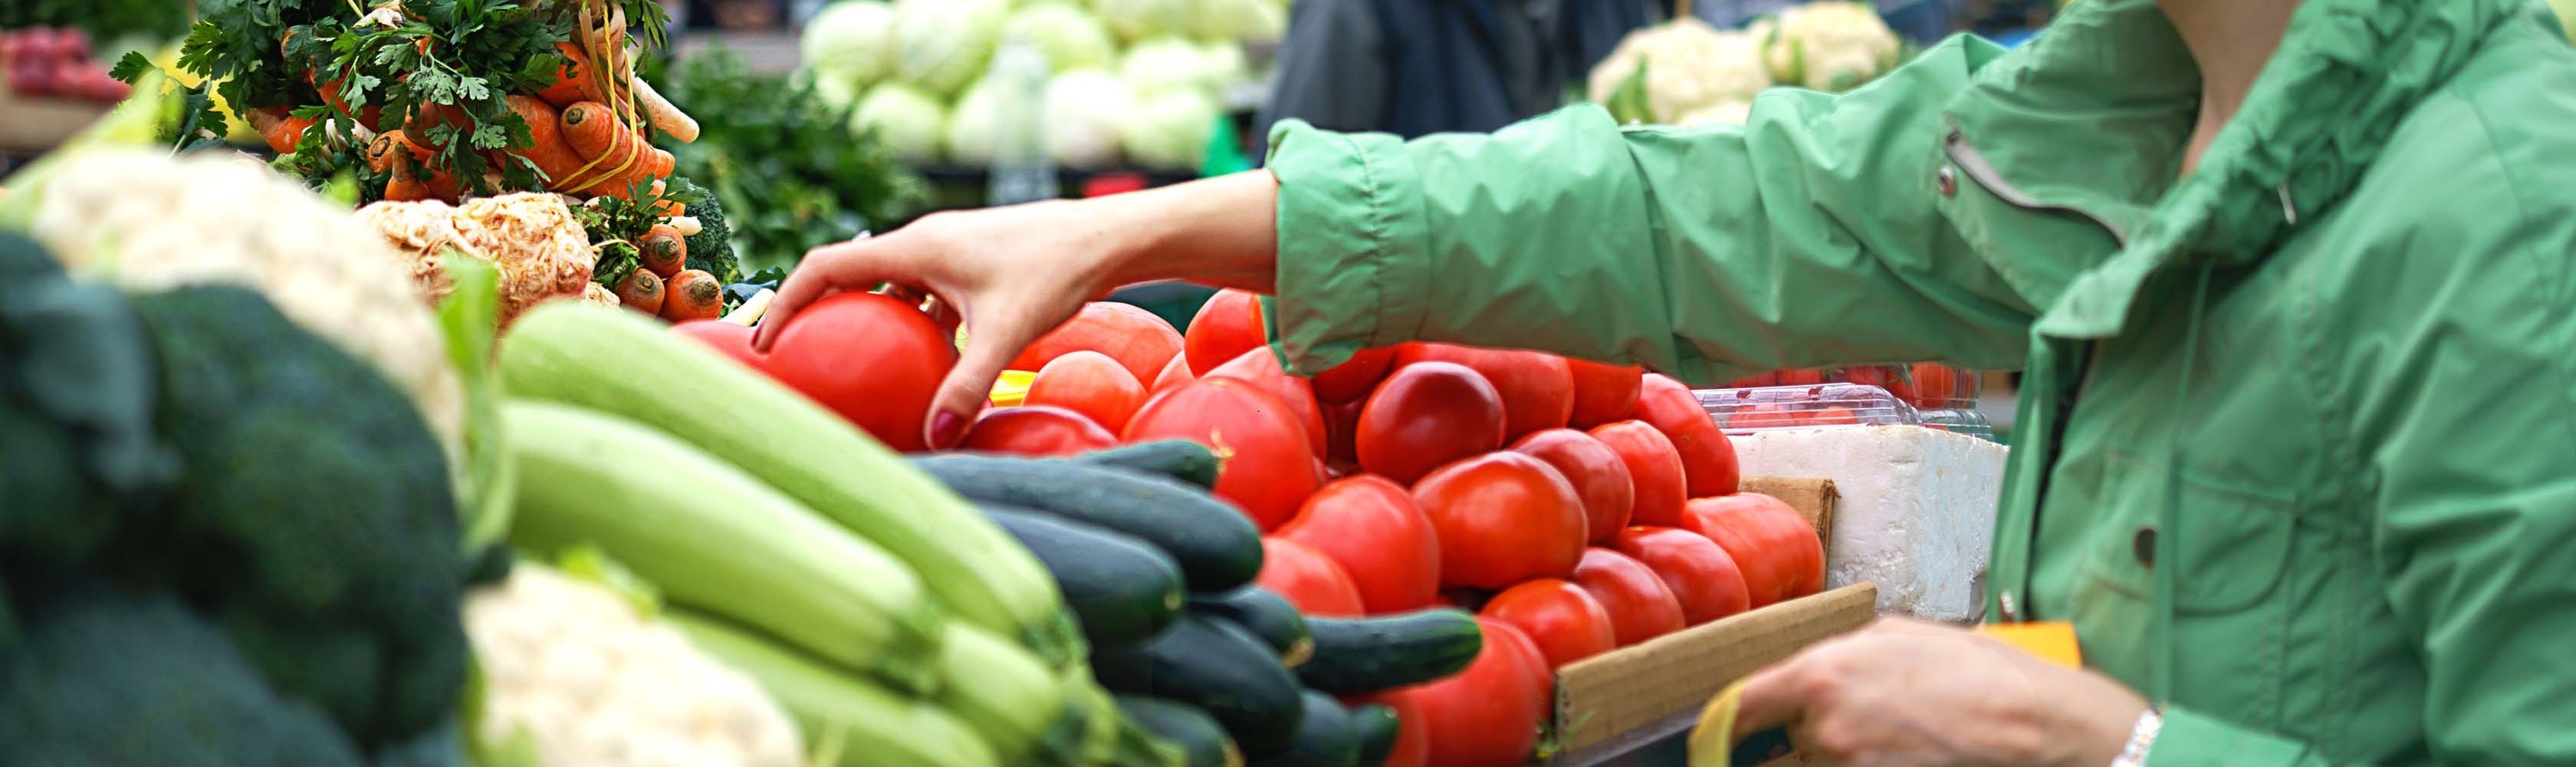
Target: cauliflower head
[1689, 66]
[591, 680]
[1831, 45]
[148, 221]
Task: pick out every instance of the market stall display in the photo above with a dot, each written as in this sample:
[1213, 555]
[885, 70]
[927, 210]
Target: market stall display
[1128, 83]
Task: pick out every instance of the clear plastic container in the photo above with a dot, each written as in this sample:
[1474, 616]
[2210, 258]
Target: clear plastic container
[1744, 411]
[1968, 422]
[1926, 385]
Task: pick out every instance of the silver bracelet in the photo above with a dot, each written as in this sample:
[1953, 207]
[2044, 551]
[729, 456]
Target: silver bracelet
[2141, 738]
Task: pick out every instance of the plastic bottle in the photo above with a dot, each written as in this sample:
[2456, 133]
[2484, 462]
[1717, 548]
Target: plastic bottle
[1022, 169]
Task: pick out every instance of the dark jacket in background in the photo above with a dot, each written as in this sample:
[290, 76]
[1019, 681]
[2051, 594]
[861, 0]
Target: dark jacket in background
[1417, 67]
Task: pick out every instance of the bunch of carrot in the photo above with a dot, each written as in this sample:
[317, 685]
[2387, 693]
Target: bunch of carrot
[664, 286]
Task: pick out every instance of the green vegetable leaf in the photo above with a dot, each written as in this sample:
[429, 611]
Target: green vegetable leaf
[588, 563]
[468, 318]
[130, 67]
[1628, 103]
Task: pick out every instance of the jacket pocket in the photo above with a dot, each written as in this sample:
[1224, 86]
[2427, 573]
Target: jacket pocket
[2233, 546]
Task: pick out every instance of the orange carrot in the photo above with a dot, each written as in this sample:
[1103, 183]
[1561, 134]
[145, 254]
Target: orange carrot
[546, 146]
[572, 80]
[617, 156]
[692, 295]
[665, 252]
[382, 150]
[666, 208]
[282, 131]
[641, 291]
[426, 116]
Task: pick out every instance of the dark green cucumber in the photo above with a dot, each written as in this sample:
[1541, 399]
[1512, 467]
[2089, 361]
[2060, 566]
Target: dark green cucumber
[1122, 590]
[1179, 459]
[1266, 615]
[1193, 730]
[1324, 739]
[1376, 727]
[1365, 655]
[1217, 667]
[1217, 547]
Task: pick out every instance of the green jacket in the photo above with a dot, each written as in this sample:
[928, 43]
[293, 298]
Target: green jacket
[2297, 442]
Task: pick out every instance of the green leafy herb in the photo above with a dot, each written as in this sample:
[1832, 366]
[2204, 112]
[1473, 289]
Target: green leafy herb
[618, 223]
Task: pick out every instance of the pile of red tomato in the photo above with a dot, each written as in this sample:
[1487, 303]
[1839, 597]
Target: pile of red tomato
[1577, 507]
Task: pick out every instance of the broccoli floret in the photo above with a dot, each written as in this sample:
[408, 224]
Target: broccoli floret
[314, 519]
[76, 390]
[107, 678]
[712, 249]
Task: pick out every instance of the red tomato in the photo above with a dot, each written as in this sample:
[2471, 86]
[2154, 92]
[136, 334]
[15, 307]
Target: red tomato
[1603, 393]
[1762, 415]
[1228, 325]
[1831, 415]
[1502, 518]
[1371, 528]
[731, 339]
[1599, 475]
[1772, 544]
[1708, 459]
[1035, 430]
[1564, 621]
[1654, 470]
[1260, 368]
[1512, 638]
[1425, 415]
[1174, 374]
[871, 358]
[1805, 377]
[1537, 389]
[1136, 338]
[1312, 582]
[1268, 468]
[1639, 604]
[1341, 424]
[1352, 380]
[1412, 739]
[1935, 385]
[1885, 378]
[1089, 383]
[1701, 576]
[1488, 714]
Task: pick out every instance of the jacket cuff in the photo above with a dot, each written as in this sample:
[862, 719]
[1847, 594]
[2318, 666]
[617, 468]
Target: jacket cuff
[1352, 232]
[2189, 739]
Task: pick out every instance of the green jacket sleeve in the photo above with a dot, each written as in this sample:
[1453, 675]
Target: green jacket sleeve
[1808, 236]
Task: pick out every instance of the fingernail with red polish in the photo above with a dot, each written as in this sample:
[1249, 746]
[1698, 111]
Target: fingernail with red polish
[946, 429]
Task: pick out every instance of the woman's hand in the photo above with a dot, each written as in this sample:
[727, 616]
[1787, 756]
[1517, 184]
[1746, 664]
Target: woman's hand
[1013, 273]
[1912, 693]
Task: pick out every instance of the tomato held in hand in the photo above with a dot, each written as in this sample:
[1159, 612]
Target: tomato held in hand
[1565, 622]
[1316, 585]
[1425, 415]
[1352, 380]
[1701, 576]
[1599, 476]
[1603, 393]
[1138, 340]
[1268, 468]
[1371, 528]
[871, 358]
[1412, 733]
[1089, 383]
[1708, 459]
[1260, 368]
[1488, 714]
[1537, 388]
[1036, 430]
[1654, 471]
[1641, 607]
[1228, 325]
[1502, 518]
[1772, 544]
[731, 339]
